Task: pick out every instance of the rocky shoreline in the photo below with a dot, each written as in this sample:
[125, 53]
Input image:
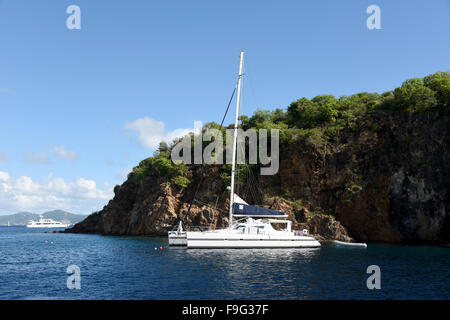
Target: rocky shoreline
[381, 174]
[400, 201]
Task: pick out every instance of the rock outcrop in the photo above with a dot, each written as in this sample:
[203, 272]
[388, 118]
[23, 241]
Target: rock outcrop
[388, 180]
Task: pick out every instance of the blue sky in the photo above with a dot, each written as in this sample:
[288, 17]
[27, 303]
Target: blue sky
[79, 108]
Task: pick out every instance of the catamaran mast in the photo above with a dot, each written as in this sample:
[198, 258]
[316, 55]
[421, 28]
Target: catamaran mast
[233, 165]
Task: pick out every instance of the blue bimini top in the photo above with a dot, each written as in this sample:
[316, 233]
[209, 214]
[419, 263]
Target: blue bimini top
[245, 210]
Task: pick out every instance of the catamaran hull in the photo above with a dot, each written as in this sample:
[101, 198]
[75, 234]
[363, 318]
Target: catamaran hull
[198, 243]
[177, 240]
[243, 245]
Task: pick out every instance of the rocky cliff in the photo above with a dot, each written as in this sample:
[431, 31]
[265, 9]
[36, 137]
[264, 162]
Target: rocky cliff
[388, 182]
[385, 177]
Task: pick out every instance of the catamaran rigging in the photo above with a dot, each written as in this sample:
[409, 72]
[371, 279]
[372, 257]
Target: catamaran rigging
[255, 229]
[236, 121]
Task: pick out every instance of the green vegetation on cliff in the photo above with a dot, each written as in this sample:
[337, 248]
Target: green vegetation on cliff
[320, 120]
[161, 165]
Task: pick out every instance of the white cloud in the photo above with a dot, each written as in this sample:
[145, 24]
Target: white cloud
[36, 157]
[4, 176]
[3, 157]
[26, 185]
[80, 196]
[63, 153]
[152, 132]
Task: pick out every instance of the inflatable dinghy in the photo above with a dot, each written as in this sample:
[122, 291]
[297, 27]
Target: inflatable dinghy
[350, 244]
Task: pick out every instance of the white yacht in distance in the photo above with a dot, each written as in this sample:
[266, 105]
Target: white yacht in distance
[46, 223]
[255, 228]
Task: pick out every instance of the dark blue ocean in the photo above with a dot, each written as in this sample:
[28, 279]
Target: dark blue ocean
[33, 265]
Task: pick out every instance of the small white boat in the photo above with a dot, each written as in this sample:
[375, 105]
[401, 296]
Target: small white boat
[178, 237]
[350, 244]
[46, 223]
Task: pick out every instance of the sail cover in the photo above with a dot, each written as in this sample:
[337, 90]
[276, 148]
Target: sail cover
[238, 199]
[245, 210]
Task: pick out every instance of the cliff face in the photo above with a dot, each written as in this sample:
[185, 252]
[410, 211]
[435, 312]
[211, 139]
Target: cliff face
[386, 180]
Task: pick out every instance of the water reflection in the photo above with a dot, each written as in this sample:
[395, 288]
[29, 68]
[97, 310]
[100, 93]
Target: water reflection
[252, 273]
[244, 255]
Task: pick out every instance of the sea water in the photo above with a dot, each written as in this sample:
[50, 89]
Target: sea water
[33, 265]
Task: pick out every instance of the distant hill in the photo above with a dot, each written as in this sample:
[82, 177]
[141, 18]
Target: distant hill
[22, 218]
[18, 219]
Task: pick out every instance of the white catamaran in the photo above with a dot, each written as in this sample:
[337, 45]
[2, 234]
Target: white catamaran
[255, 228]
